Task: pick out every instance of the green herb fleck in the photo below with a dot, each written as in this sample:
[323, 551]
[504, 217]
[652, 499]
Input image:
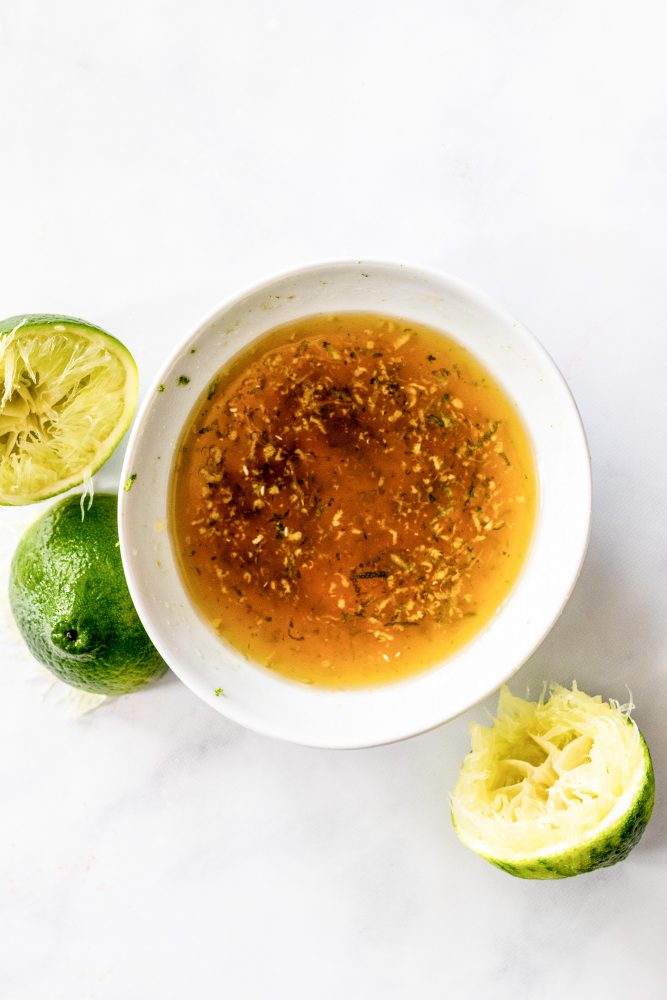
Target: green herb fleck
[431, 357]
[489, 434]
[218, 692]
[211, 389]
[130, 482]
[160, 388]
[183, 380]
[335, 354]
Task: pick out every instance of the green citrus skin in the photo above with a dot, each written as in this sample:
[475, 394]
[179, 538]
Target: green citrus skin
[49, 319]
[614, 846]
[69, 597]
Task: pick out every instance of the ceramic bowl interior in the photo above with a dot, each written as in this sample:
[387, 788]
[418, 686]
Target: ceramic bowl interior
[265, 701]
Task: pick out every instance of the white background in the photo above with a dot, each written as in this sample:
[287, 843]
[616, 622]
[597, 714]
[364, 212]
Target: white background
[155, 157]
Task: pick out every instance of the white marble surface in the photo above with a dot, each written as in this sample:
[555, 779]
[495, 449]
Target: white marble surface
[156, 156]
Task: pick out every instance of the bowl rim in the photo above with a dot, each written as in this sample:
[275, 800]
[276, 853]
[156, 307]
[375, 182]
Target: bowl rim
[199, 329]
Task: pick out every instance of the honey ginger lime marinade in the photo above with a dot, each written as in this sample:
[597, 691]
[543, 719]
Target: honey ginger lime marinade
[352, 499]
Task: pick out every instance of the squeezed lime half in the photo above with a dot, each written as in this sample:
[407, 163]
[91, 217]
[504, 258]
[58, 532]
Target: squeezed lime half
[68, 391]
[554, 788]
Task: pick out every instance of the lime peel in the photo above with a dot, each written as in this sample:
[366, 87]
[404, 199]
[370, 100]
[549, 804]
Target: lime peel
[554, 788]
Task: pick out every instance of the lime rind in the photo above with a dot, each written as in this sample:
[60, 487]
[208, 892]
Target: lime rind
[68, 394]
[555, 788]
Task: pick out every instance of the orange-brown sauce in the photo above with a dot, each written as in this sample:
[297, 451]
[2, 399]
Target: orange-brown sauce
[352, 499]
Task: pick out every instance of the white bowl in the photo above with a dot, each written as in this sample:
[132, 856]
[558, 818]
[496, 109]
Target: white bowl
[279, 707]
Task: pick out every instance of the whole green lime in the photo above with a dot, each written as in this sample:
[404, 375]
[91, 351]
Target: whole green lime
[69, 597]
